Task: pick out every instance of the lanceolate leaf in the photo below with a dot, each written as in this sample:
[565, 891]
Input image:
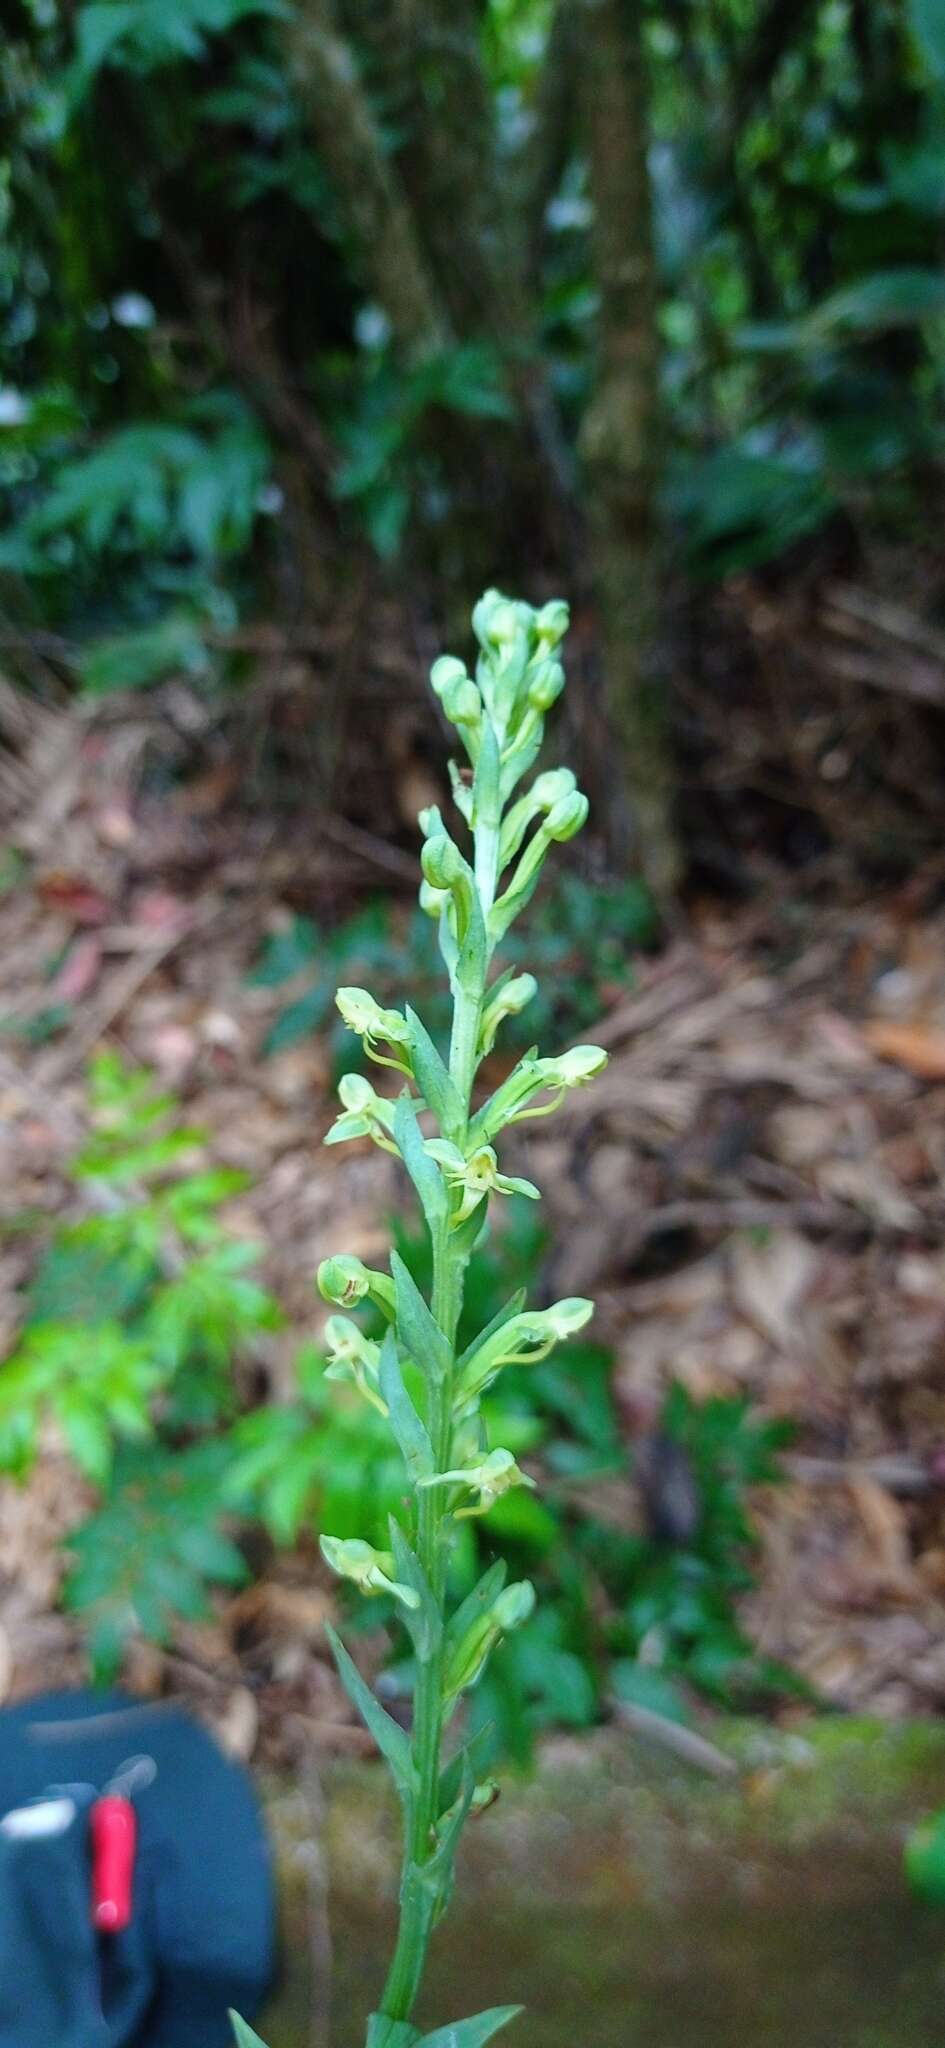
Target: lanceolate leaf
[426, 1176]
[513, 1307]
[390, 1739]
[465, 1763]
[412, 1439]
[245, 2038]
[477, 1602]
[487, 794]
[473, 2032]
[424, 1622]
[436, 1085]
[472, 964]
[419, 1333]
[385, 2033]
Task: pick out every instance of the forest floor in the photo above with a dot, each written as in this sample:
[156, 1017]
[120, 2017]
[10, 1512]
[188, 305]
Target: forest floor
[755, 1192]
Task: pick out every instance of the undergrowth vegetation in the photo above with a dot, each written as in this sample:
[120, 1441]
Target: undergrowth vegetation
[141, 1335]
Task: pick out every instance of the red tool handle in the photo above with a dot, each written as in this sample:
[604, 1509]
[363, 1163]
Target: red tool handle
[114, 1837]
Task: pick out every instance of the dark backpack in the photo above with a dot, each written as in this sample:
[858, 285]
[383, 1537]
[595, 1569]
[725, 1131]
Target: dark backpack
[201, 1933]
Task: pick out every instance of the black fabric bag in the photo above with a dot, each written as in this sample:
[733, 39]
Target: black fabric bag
[201, 1935]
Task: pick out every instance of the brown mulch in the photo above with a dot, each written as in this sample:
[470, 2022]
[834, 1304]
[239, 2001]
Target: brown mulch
[754, 1192]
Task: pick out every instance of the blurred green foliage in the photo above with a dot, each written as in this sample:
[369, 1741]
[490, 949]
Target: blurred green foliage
[582, 936]
[136, 1332]
[183, 311]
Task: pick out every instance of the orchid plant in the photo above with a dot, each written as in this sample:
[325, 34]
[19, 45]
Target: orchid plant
[429, 1391]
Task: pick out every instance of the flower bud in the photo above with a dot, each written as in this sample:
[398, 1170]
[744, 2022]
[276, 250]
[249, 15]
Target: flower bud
[432, 901]
[545, 685]
[442, 863]
[496, 621]
[552, 787]
[509, 1001]
[567, 817]
[446, 671]
[345, 1281]
[552, 622]
[462, 703]
[468, 1660]
[514, 1606]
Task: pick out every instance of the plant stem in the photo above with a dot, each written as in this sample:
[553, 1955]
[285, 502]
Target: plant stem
[415, 1927]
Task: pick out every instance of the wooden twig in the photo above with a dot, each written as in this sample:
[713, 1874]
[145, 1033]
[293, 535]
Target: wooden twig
[686, 1743]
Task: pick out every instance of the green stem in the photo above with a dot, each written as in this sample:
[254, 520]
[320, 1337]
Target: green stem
[414, 1930]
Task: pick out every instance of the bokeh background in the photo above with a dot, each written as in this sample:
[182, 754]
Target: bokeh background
[318, 317]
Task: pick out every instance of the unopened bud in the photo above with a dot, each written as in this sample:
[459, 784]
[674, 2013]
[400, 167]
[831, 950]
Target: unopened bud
[447, 671]
[552, 621]
[545, 685]
[551, 788]
[567, 817]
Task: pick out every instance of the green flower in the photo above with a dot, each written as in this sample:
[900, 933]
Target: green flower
[532, 1077]
[354, 1357]
[524, 1340]
[368, 1569]
[475, 1177]
[375, 1026]
[469, 1657]
[490, 1478]
[345, 1281]
[365, 1114]
[508, 999]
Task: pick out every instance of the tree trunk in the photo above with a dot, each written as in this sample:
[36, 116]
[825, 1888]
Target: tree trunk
[366, 184]
[620, 436]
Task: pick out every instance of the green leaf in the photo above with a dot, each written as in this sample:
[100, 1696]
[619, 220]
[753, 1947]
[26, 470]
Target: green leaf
[512, 1308]
[245, 2038]
[472, 2032]
[412, 1439]
[391, 1740]
[152, 1548]
[436, 1085]
[924, 1857]
[467, 1762]
[487, 794]
[129, 661]
[885, 299]
[426, 1176]
[928, 28]
[424, 1622]
[472, 963]
[419, 1333]
[476, 1603]
[386, 2033]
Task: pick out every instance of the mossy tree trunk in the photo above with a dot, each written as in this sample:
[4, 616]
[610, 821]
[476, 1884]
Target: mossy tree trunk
[620, 434]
